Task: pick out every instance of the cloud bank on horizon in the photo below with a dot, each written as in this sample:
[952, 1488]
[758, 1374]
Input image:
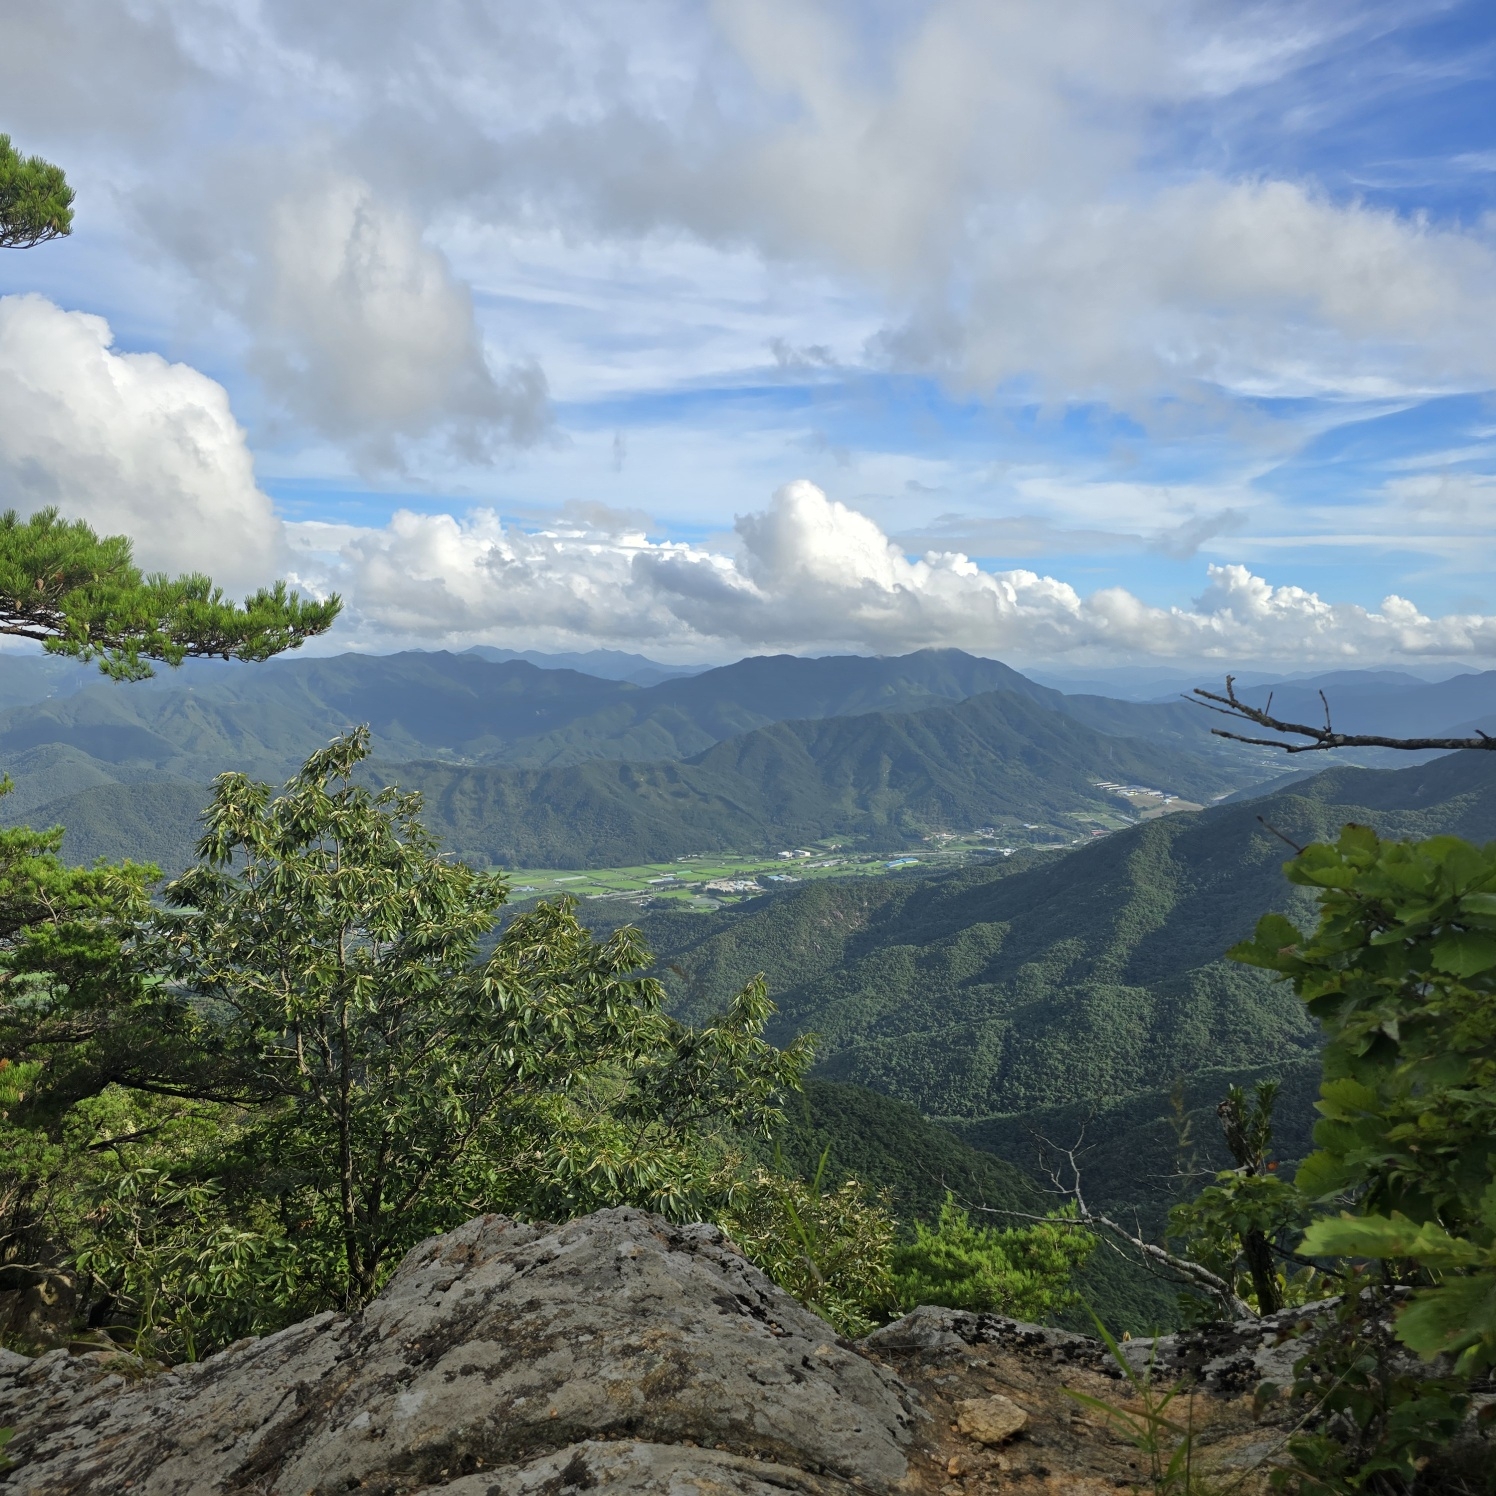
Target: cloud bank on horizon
[505, 321]
[810, 573]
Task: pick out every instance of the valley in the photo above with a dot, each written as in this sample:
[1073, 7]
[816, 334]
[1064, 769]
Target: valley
[745, 748]
[739, 761]
[1001, 911]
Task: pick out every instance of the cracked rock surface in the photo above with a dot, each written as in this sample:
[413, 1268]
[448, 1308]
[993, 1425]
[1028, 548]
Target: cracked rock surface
[619, 1353]
[614, 1352]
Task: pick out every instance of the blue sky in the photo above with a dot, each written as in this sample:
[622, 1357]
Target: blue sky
[1068, 332]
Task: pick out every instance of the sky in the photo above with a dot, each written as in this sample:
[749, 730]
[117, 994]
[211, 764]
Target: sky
[1067, 332]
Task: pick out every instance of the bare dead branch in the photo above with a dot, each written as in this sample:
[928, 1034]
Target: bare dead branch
[1268, 826]
[1320, 739]
[1152, 1254]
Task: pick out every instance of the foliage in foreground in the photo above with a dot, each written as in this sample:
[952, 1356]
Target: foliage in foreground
[250, 1103]
[830, 1248]
[1241, 1226]
[1150, 1423]
[1401, 975]
[1024, 1272]
[1373, 1425]
[838, 1250]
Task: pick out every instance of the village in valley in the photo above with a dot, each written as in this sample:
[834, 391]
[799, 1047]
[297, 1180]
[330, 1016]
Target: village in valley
[708, 880]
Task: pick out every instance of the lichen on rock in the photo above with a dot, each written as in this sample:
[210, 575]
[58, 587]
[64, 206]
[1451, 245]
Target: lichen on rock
[493, 1349]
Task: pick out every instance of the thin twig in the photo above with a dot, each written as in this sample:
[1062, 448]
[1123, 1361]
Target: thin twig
[1152, 1254]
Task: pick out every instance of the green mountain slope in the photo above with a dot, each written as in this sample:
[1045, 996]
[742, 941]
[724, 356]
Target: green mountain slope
[1133, 1154]
[683, 718]
[264, 719]
[1090, 977]
[879, 778]
[155, 821]
[887, 1145]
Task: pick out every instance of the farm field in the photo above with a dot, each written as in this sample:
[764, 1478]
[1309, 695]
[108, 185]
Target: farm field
[712, 880]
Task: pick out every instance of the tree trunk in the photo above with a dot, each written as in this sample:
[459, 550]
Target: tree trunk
[1259, 1257]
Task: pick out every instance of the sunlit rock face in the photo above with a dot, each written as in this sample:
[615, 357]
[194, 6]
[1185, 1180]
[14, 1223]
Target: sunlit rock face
[617, 1351]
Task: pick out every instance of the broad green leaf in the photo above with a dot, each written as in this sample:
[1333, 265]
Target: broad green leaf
[1465, 953]
[1458, 1316]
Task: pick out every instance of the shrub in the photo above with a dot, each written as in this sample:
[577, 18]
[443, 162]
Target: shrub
[1024, 1272]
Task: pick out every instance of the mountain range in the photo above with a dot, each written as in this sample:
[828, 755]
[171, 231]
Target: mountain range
[1067, 978]
[1049, 995]
[529, 767]
[1040, 992]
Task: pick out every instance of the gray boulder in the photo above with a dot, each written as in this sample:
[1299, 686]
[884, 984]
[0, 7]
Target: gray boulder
[615, 1352]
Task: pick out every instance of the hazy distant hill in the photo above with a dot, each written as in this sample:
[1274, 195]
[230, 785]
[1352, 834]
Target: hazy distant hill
[881, 778]
[609, 664]
[264, 719]
[535, 765]
[1093, 976]
[432, 705]
[1386, 702]
[682, 718]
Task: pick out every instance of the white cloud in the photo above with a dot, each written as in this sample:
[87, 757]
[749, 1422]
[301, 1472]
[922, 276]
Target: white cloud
[810, 573]
[357, 326]
[130, 443]
[657, 196]
[996, 178]
[1262, 287]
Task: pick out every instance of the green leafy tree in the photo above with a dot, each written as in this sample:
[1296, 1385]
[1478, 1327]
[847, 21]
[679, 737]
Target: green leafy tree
[1401, 973]
[78, 1011]
[402, 1083]
[1239, 1226]
[1373, 1425]
[1023, 1271]
[36, 203]
[179, 1267]
[82, 595]
[249, 1103]
[829, 1247]
[62, 961]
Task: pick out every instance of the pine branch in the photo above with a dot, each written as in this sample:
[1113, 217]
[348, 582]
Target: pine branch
[82, 595]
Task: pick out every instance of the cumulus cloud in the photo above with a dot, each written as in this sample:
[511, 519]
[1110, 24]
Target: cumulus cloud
[357, 326]
[811, 573]
[130, 443]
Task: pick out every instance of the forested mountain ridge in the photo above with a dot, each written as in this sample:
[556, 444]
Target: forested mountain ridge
[264, 719]
[193, 723]
[882, 778]
[426, 704]
[610, 664]
[1092, 976]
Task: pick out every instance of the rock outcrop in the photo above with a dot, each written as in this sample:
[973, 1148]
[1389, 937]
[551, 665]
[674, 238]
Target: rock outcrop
[621, 1353]
[617, 1351]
